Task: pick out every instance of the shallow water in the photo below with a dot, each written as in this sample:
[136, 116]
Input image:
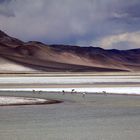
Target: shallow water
[95, 117]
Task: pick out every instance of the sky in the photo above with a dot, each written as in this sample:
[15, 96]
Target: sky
[110, 24]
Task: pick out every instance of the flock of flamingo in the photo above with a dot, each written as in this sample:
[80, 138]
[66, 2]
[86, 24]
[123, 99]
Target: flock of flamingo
[73, 91]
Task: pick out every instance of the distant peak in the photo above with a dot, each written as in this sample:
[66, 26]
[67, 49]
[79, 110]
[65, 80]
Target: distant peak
[2, 34]
[35, 42]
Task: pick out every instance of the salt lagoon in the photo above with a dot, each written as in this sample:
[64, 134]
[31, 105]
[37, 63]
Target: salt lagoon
[96, 116]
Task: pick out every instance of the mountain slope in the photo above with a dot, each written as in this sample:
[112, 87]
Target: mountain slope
[34, 56]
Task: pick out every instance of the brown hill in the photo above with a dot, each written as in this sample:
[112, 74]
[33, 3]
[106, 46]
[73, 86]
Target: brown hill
[16, 56]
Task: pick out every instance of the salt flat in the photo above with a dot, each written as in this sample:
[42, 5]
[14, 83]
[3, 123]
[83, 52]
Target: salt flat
[70, 80]
[6, 100]
[124, 84]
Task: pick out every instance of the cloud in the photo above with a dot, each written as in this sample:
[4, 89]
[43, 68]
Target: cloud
[68, 21]
[121, 41]
[6, 9]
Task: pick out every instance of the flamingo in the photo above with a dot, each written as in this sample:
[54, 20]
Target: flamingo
[83, 94]
[105, 93]
[63, 92]
[33, 91]
[72, 91]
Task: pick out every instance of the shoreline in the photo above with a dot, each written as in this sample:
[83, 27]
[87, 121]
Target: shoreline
[40, 85]
[91, 90]
[63, 74]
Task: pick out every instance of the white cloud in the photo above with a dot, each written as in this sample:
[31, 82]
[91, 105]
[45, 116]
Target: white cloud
[125, 38]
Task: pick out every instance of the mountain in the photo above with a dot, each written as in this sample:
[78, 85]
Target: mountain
[19, 56]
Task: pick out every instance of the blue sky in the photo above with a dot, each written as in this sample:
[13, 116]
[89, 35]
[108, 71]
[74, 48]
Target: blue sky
[103, 23]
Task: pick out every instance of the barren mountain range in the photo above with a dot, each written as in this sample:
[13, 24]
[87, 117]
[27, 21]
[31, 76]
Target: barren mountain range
[18, 56]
